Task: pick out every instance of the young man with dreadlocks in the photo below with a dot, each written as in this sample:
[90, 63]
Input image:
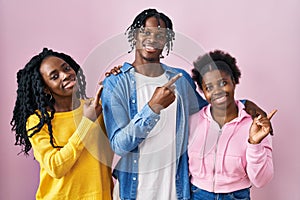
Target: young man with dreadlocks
[146, 116]
[53, 116]
[147, 124]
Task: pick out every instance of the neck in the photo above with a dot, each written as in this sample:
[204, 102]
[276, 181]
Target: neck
[223, 116]
[66, 105]
[148, 69]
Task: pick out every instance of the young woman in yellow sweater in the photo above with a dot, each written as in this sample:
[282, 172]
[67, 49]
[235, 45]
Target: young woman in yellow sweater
[65, 129]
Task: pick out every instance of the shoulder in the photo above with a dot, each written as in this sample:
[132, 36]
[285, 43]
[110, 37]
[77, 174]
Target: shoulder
[120, 78]
[242, 114]
[243, 119]
[32, 121]
[201, 115]
[33, 118]
[176, 70]
[198, 121]
[185, 74]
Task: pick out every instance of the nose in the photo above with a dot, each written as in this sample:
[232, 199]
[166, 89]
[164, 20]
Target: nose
[65, 76]
[151, 38]
[217, 89]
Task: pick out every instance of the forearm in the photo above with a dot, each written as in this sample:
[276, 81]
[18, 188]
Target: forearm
[124, 134]
[58, 161]
[260, 163]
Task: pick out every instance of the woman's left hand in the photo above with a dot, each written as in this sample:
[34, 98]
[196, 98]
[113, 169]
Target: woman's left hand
[92, 107]
[260, 128]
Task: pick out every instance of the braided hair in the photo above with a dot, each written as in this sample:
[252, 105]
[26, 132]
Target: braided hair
[139, 22]
[215, 60]
[31, 98]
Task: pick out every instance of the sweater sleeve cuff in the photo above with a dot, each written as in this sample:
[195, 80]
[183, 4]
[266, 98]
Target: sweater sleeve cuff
[82, 129]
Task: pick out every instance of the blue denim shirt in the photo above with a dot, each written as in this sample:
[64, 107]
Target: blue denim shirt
[127, 128]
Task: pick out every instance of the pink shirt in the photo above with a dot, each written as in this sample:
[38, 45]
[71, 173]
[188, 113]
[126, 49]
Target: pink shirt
[222, 160]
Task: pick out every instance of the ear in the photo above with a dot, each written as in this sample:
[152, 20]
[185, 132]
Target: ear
[135, 33]
[233, 81]
[234, 84]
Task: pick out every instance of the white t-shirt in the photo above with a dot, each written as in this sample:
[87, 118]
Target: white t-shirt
[157, 161]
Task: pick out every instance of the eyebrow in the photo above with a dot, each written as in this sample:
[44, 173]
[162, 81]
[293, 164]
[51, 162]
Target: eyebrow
[62, 65]
[221, 79]
[52, 72]
[161, 29]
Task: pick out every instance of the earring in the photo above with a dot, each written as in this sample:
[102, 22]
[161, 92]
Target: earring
[49, 96]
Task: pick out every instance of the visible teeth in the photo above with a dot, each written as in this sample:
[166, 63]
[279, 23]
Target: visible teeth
[149, 47]
[69, 84]
[220, 99]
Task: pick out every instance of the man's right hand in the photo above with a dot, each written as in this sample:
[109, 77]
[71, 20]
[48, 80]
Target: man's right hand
[161, 99]
[163, 96]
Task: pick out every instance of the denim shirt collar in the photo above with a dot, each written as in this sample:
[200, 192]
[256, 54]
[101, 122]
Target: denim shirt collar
[168, 70]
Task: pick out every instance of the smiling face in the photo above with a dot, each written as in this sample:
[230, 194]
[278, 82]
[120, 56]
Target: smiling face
[59, 77]
[150, 40]
[218, 88]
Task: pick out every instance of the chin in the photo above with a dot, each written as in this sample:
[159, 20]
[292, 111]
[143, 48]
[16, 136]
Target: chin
[220, 105]
[151, 59]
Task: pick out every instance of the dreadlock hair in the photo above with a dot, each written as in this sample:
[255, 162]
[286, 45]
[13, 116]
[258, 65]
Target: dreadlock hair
[215, 60]
[139, 22]
[31, 98]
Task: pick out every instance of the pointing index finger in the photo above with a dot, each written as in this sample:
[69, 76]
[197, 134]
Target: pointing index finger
[271, 114]
[173, 80]
[98, 94]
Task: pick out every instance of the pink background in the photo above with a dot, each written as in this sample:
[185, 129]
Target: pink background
[262, 35]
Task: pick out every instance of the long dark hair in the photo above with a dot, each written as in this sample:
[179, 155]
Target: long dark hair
[31, 98]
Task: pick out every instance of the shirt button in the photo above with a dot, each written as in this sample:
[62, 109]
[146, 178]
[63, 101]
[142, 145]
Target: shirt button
[156, 120]
[133, 101]
[134, 161]
[134, 178]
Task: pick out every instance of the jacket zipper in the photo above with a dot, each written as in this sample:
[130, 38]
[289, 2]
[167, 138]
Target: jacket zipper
[215, 159]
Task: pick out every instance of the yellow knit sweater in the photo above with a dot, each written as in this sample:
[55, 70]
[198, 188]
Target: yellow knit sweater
[81, 168]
